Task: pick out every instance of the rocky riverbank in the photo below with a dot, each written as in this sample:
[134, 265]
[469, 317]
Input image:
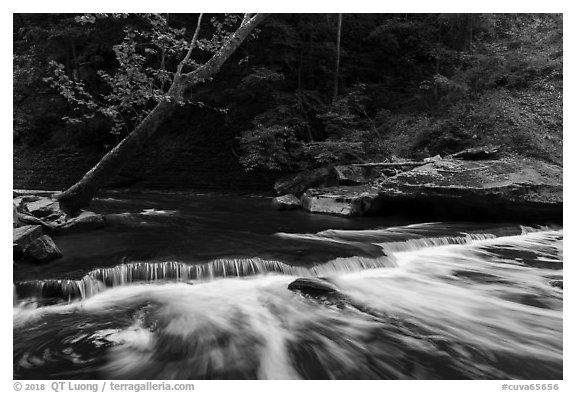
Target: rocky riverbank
[37, 217]
[479, 187]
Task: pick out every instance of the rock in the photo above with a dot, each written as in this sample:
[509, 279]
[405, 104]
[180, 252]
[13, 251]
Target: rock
[314, 287]
[286, 202]
[44, 207]
[25, 235]
[345, 201]
[85, 221]
[477, 153]
[506, 188]
[557, 284]
[42, 250]
[19, 204]
[298, 183]
[31, 220]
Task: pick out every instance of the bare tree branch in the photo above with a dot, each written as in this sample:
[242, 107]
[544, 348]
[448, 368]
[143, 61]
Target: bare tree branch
[192, 45]
[245, 20]
[219, 58]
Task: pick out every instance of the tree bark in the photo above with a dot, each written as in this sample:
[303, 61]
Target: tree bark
[80, 194]
[337, 73]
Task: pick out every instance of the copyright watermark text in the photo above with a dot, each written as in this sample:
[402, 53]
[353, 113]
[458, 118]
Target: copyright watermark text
[103, 386]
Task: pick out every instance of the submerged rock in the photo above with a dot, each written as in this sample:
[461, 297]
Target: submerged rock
[42, 250]
[344, 201]
[492, 188]
[286, 202]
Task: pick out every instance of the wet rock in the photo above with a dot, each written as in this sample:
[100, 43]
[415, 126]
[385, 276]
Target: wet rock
[38, 204]
[26, 219]
[286, 202]
[42, 250]
[314, 287]
[44, 207]
[85, 221]
[298, 183]
[23, 236]
[344, 201]
[506, 188]
[557, 284]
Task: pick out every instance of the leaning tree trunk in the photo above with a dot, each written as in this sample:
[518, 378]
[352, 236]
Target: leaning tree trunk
[81, 193]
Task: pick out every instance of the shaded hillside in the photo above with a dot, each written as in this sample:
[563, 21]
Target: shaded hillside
[409, 85]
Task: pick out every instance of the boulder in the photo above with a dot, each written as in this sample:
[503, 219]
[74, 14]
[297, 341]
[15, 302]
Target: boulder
[506, 188]
[344, 200]
[286, 202]
[297, 184]
[85, 221]
[313, 286]
[42, 250]
[25, 235]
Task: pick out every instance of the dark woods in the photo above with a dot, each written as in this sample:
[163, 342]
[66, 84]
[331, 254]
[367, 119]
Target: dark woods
[303, 90]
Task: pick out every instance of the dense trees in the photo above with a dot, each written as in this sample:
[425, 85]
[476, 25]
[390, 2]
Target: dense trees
[136, 85]
[409, 84]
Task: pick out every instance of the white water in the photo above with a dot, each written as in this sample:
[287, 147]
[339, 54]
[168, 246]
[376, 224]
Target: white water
[442, 307]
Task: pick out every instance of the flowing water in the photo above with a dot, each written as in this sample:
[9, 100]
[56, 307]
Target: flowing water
[196, 287]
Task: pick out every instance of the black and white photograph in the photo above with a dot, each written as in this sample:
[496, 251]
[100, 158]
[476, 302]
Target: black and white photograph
[287, 196]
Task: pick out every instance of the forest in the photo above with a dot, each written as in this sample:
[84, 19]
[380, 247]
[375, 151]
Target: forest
[305, 90]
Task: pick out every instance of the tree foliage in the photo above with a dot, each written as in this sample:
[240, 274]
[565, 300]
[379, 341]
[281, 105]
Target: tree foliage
[410, 84]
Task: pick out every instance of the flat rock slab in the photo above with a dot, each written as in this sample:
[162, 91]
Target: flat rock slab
[497, 186]
[344, 201]
[482, 177]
